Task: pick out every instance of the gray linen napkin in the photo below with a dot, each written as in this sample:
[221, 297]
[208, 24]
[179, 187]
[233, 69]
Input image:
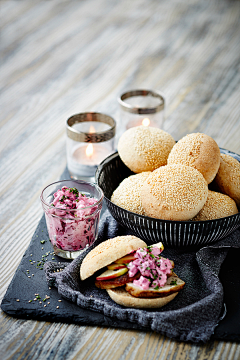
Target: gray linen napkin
[191, 316]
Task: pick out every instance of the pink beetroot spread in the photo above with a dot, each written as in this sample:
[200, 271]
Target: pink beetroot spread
[70, 224]
[152, 266]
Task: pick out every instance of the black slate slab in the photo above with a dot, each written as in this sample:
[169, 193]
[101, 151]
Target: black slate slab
[25, 285]
[29, 280]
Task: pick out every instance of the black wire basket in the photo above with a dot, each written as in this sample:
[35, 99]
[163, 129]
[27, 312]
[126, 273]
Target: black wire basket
[175, 234]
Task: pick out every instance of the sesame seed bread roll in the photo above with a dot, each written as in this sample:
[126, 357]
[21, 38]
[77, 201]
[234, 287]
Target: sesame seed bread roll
[217, 206]
[143, 148]
[108, 252]
[127, 195]
[199, 151]
[174, 192]
[227, 179]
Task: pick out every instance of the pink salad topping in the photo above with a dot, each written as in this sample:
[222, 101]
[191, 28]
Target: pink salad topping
[66, 199]
[70, 224]
[152, 267]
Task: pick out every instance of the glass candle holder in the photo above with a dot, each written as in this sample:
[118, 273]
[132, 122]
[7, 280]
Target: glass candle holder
[90, 139]
[72, 210]
[141, 107]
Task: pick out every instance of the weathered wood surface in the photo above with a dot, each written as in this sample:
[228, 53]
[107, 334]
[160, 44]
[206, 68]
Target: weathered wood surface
[59, 58]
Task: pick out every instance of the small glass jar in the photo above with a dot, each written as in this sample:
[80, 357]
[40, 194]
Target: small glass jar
[90, 139]
[141, 107]
[72, 210]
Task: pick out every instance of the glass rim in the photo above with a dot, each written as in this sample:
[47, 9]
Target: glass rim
[73, 210]
[141, 110]
[95, 137]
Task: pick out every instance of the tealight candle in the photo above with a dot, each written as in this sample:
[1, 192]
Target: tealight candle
[141, 107]
[90, 139]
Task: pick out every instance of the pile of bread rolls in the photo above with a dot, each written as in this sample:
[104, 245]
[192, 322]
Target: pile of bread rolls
[172, 179]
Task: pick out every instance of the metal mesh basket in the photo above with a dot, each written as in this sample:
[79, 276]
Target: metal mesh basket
[176, 234]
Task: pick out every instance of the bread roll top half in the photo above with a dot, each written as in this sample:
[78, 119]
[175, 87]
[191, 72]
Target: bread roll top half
[108, 252]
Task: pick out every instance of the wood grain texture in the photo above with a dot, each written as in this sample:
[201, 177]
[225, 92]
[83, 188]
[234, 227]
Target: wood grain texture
[61, 57]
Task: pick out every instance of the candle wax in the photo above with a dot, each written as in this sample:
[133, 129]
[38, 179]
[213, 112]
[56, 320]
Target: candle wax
[81, 164]
[99, 153]
[139, 121]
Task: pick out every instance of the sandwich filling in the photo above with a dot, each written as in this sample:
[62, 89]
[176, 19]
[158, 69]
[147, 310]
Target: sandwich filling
[152, 267]
[145, 268]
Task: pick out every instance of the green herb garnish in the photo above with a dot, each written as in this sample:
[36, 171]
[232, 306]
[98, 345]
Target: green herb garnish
[74, 191]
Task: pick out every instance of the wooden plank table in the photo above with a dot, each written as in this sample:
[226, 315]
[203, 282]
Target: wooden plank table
[62, 57]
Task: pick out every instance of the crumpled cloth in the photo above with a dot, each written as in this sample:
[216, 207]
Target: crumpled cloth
[191, 316]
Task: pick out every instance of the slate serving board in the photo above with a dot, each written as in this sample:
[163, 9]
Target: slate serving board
[21, 300]
[24, 286]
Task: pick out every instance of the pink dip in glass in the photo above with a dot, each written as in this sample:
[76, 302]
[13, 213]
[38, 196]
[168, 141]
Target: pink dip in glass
[71, 225]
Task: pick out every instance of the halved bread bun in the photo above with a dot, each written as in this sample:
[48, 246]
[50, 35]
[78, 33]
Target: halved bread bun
[108, 252]
[174, 284]
[122, 297]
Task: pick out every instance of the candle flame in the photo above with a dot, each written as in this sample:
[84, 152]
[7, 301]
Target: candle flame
[89, 150]
[146, 122]
[92, 129]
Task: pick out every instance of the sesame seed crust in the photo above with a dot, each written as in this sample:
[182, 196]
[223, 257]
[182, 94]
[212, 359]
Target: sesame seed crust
[217, 206]
[227, 179]
[144, 148]
[199, 151]
[107, 252]
[174, 192]
[127, 195]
